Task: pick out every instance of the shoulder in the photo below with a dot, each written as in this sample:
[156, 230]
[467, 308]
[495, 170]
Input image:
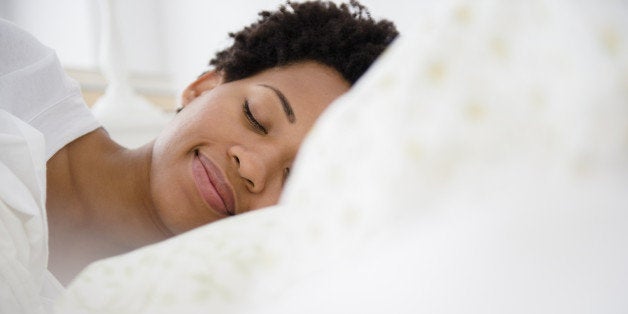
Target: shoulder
[18, 48]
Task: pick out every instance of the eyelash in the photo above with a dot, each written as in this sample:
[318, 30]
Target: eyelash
[252, 121]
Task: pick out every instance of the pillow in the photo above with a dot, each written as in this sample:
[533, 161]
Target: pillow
[479, 167]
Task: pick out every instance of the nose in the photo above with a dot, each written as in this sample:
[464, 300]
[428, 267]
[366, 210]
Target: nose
[254, 167]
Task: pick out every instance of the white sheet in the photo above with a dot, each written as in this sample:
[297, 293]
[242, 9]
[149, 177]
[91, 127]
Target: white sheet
[25, 284]
[480, 167]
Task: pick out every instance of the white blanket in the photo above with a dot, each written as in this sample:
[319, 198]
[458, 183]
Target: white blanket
[26, 286]
[480, 167]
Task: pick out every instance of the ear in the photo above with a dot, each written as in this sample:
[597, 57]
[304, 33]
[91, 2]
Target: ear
[206, 82]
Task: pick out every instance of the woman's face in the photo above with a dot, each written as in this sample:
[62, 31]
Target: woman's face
[230, 149]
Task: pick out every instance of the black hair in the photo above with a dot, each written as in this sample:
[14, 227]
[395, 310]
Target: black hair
[343, 37]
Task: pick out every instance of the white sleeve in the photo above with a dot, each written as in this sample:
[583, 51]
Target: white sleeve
[35, 88]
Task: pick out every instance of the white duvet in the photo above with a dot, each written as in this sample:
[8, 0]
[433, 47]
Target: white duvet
[26, 286]
[480, 167]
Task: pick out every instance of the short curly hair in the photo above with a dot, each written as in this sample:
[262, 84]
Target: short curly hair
[343, 37]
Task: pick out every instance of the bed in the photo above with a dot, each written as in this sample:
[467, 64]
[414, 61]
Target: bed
[481, 166]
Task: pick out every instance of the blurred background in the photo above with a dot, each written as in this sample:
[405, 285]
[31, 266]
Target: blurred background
[165, 44]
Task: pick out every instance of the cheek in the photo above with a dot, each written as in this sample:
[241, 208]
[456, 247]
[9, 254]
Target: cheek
[165, 186]
[198, 122]
[173, 204]
[169, 168]
[268, 199]
[172, 187]
[211, 119]
[170, 137]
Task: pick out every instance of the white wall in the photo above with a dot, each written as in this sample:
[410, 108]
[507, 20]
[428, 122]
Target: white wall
[72, 35]
[174, 39]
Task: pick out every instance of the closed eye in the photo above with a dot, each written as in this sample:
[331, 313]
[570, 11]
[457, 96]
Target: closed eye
[259, 128]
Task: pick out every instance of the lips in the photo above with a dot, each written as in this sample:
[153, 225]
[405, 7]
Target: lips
[212, 185]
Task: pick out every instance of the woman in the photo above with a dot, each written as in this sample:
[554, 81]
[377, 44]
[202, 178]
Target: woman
[228, 151]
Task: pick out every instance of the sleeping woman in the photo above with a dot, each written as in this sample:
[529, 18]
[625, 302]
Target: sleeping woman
[228, 151]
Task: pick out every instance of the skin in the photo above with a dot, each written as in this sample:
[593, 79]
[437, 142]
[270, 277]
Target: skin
[105, 200]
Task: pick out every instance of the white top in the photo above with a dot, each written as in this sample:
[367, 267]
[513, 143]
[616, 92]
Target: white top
[41, 110]
[35, 89]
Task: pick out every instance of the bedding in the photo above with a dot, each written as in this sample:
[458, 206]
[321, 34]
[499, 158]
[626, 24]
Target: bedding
[481, 166]
[41, 110]
[26, 286]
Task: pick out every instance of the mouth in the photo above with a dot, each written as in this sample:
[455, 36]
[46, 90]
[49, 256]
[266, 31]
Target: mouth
[213, 186]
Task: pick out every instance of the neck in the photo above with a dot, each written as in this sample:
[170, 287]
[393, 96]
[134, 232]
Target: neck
[99, 202]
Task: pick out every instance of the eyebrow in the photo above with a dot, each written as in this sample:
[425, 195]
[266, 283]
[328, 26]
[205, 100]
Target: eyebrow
[287, 108]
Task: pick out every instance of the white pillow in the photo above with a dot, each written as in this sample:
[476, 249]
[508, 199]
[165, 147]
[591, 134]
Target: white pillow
[481, 166]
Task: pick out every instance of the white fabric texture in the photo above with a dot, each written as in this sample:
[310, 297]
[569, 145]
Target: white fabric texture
[26, 286]
[34, 88]
[481, 166]
[41, 110]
